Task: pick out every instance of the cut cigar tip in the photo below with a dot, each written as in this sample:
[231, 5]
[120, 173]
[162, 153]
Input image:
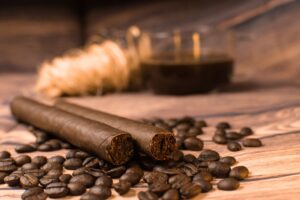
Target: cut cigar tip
[162, 146]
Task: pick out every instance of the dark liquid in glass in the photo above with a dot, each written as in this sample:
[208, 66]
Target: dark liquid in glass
[183, 74]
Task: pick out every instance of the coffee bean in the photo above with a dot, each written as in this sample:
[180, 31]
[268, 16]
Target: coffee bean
[218, 169]
[90, 196]
[190, 158]
[2, 176]
[22, 159]
[200, 124]
[132, 175]
[239, 172]
[169, 171]
[223, 125]
[57, 159]
[46, 180]
[163, 126]
[76, 189]
[228, 184]
[57, 190]
[220, 132]
[35, 193]
[159, 187]
[66, 145]
[190, 190]
[101, 190]
[179, 142]
[54, 173]
[28, 166]
[170, 194]
[205, 186]
[147, 196]
[192, 132]
[7, 165]
[25, 148]
[252, 142]
[29, 181]
[54, 143]
[209, 155]
[233, 135]
[219, 139]
[228, 160]
[75, 153]
[203, 175]
[91, 162]
[65, 178]
[45, 147]
[104, 180]
[35, 172]
[193, 143]
[116, 172]
[177, 155]
[91, 171]
[122, 187]
[39, 160]
[85, 179]
[246, 131]
[51, 165]
[147, 163]
[179, 180]
[72, 163]
[151, 177]
[4, 154]
[189, 169]
[12, 180]
[171, 122]
[234, 146]
[182, 127]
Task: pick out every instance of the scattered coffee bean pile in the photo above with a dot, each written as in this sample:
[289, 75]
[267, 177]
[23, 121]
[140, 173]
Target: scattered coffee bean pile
[80, 173]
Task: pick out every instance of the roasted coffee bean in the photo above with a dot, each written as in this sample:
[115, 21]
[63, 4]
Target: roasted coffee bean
[228, 184]
[18, 172]
[252, 142]
[177, 155]
[12, 180]
[72, 163]
[54, 143]
[219, 139]
[203, 175]
[163, 126]
[122, 187]
[205, 186]
[90, 196]
[209, 155]
[35, 193]
[46, 180]
[159, 187]
[116, 172]
[234, 146]
[151, 177]
[181, 134]
[218, 169]
[75, 153]
[246, 131]
[65, 178]
[45, 147]
[190, 190]
[223, 125]
[193, 143]
[104, 165]
[91, 162]
[29, 181]
[22, 159]
[132, 175]
[170, 194]
[54, 173]
[179, 180]
[228, 160]
[231, 135]
[182, 127]
[7, 165]
[239, 172]
[91, 171]
[4, 154]
[57, 159]
[147, 163]
[179, 142]
[51, 165]
[66, 145]
[39, 160]
[101, 190]
[76, 189]
[200, 124]
[57, 190]
[171, 122]
[220, 132]
[169, 171]
[190, 158]
[85, 179]
[2, 176]
[189, 169]
[35, 172]
[192, 132]
[28, 166]
[147, 196]
[25, 148]
[104, 180]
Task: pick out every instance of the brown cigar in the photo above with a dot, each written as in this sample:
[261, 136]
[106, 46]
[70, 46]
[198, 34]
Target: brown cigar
[155, 142]
[108, 143]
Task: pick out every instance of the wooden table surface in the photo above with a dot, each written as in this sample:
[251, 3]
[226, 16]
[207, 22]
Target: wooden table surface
[273, 112]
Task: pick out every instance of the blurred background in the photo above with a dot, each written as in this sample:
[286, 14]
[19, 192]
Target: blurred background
[267, 31]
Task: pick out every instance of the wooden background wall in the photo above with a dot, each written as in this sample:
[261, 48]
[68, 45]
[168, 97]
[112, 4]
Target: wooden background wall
[268, 41]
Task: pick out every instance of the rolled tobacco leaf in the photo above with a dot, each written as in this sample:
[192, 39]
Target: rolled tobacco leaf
[108, 143]
[155, 142]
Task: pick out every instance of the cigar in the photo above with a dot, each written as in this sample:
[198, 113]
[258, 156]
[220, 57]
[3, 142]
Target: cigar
[155, 142]
[108, 143]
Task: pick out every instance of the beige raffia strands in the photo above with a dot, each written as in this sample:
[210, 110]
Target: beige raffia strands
[95, 69]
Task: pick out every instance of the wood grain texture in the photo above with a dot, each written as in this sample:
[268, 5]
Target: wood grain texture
[273, 113]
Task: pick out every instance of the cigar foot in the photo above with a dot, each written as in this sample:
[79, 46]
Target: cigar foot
[162, 146]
